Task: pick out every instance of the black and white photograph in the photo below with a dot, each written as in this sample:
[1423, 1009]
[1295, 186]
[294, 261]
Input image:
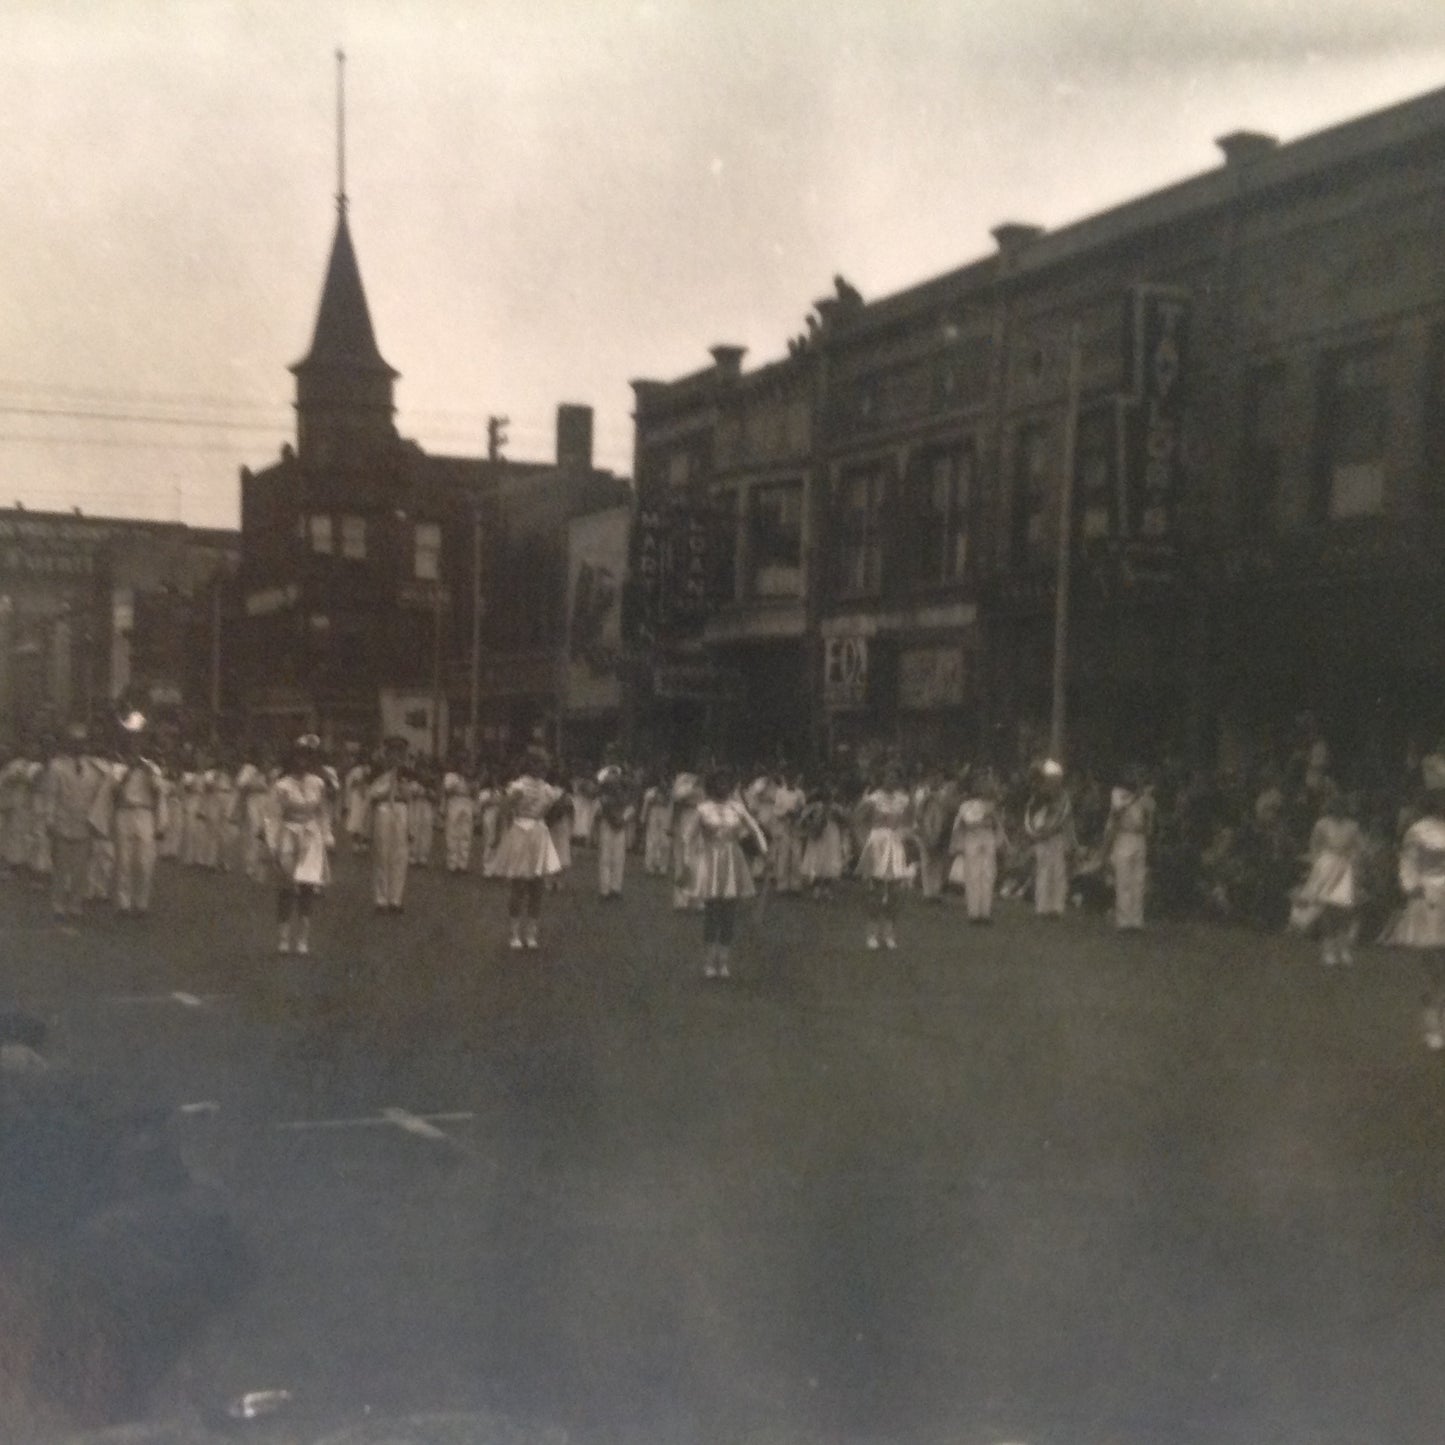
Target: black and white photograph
[722, 722]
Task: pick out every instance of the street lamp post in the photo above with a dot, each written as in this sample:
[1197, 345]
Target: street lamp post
[475, 699]
[1058, 721]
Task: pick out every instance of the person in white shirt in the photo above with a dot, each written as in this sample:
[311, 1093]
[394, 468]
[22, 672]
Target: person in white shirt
[252, 786]
[388, 797]
[459, 818]
[300, 840]
[135, 805]
[527, 854]
[68, 794]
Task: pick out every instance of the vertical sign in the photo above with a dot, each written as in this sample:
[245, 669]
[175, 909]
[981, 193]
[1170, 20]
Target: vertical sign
[845, 671]
[1157, 350]
[645, 593]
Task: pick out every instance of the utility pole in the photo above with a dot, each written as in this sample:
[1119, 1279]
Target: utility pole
[1059, 721]
[474, 736]
[496, 436]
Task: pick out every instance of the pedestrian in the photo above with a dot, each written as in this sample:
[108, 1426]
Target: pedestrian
[527, 854]
[935, 804]
[354, 784]
[14, 807]
[459, 815]
[173, 811]
[687, 792]
[490, 799]
[1049, 827]
[1126, 847]
[1421, 923]
[723, 874]
[390, 826]
[422, 814]
[559, 823]
[977, 834]
[252, 787]
[71, 785]
[586, 801]
[614, 814]
[135, 808]
[656, 826]
[820, 827]
[222, 813]
[1328, 899]
[195, 839]
[299, 838]
[887, 820]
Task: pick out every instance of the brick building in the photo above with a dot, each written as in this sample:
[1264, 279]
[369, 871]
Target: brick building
[1258, 482]
[370, 566]
[98, 609]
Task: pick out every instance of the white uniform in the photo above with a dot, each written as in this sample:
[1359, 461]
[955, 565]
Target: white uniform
[138, 799]
[459, 820]
[390, 825]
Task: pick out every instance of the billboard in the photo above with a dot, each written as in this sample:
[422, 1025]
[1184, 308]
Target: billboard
[596, 570]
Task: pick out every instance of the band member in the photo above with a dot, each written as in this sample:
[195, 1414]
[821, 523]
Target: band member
[527, 854]
[222, 809]
[252, 787]
[422, 815]
[15, 813]
[820, 827]
[390, 827]
[656, 826]
[354, 792]
[722, 872]
[935, 804]
[68, 793]
[1421, 924]
[1328, 898]
[886, 814]
[977, 835]
[135, 806]
[614, 813]
[1126, 846]
[559, 824]
[459, 816]
[299, 839]
[1049, 827]
[195, 839]
[785, 849]
[687, 793]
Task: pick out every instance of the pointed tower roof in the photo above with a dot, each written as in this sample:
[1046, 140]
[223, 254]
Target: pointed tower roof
[343, 336]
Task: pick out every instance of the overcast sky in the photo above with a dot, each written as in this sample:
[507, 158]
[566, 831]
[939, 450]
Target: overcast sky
[553, 197]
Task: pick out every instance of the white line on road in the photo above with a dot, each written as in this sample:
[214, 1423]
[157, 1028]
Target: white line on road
[423, 1125]
[178, 996]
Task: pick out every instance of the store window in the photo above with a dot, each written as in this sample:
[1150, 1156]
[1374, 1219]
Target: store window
[320, 532]
[1261, 471]
[860, 540]
[944, 498]
[353, 538]
[1354, 416]
[775, 540]
[1029, 537]
[427, 542]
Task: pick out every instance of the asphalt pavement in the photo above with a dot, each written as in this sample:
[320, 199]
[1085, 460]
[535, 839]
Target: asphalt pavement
[1034, 1183]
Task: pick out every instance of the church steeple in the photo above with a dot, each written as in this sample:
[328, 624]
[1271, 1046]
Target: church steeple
[344, 387]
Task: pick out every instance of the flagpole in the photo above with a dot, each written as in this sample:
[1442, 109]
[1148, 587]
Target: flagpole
[1058, 723]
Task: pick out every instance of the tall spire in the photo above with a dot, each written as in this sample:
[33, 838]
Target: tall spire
[341, 131]
[343, 384]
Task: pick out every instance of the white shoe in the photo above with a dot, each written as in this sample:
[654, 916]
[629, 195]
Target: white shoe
[889, 942]
[532, 941]
[872, 944]
[302, 946]
[515, 941]
[1434, 1040]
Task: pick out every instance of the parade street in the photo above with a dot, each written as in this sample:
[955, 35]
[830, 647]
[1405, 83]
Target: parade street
[1033, 1183]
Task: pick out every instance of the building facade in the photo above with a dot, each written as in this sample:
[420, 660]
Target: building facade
[388, 589]
[96, 611]
[1243, 376]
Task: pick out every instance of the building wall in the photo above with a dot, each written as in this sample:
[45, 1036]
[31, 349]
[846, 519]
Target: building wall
[1316, 290]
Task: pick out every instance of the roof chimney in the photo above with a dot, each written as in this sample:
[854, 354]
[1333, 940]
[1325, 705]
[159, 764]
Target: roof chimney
[1012, 236]
[728, 359]
[1243, 147]
[574, 437]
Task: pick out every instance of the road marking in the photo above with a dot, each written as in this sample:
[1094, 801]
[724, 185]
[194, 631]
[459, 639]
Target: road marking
[422, 1125]
[207, 1106]
[177, 996]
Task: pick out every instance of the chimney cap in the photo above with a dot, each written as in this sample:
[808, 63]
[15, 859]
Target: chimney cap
[727, 358]
[1012, 236]
[1240, 147]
